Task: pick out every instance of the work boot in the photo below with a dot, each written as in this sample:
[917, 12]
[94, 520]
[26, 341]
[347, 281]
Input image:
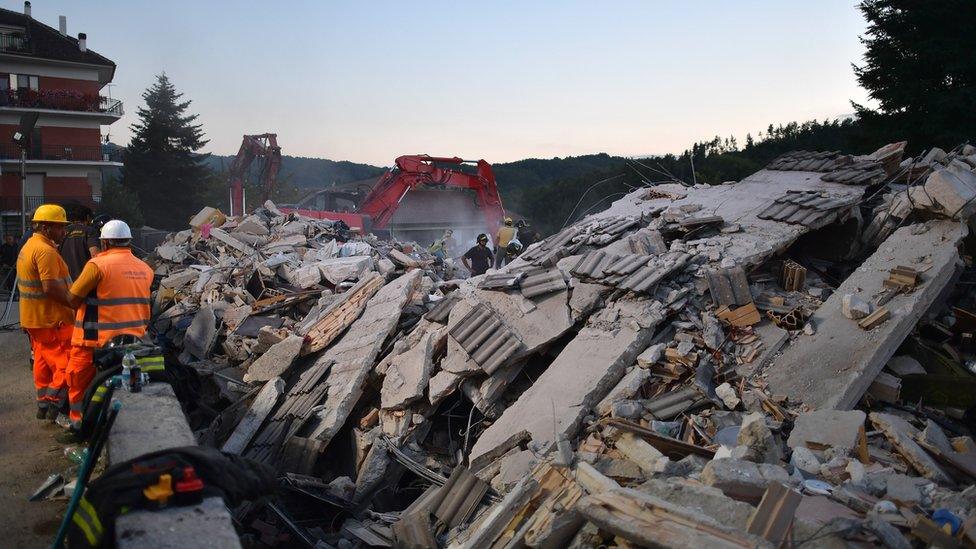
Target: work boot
[69, 436]
[63, 421]
[42, 412]
[52, 414]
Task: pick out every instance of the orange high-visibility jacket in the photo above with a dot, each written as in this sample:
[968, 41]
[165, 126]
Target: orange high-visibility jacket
[120, 304]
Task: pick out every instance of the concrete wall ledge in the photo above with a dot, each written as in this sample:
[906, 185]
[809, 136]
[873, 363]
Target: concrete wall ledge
[149, 421]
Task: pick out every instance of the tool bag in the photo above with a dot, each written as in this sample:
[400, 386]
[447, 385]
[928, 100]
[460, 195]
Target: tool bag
[167, 478]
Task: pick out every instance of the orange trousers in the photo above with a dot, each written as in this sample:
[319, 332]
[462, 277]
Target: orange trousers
[51, 347]
[80, 372]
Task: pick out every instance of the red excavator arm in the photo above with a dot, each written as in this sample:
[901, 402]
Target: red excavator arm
[418, 170]
[254, 146]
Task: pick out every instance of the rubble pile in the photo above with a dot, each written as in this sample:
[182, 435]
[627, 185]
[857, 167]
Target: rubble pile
[781, 360]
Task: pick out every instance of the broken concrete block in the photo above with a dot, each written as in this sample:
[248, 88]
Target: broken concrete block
[252, 225]
[627, 409]
[626, 389]
[409, 374]
[385, 266]
[854, 307]
[341, 269]
[805, 460]
[712, 333]
[900, 434]
[403, 259]
[952, 189]
[904, 489]
[651, 355]
[512, 469]
[276, 360]
[728, 395]
[707, 500]
[201, 336]
[441, 385]
[762, 446]
[742, 480]
[303, 277]
[827, 428]
[648, 458]
[262, 405]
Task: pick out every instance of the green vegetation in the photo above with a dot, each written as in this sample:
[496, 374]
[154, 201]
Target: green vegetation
[161, 163]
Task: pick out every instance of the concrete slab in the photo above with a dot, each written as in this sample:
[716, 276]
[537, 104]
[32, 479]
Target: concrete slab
[742, 480]
[205, 525]
[834, 367]
[902, 435]
[583, 373]
[409, 374]
[740, 203]
[833, 428]
[354, 355]
[263, 403]
[625, 389]
[276, 360]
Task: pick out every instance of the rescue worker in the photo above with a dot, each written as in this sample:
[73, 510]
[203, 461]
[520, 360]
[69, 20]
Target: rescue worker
[505, 234]
[439, 248]
[113, 298]
[80, 240]
[45, 310]
[478, 258]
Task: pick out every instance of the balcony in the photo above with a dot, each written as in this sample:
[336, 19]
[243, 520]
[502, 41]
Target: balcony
[12, 203]
[14, 43]
[60, 153]
[61, 100]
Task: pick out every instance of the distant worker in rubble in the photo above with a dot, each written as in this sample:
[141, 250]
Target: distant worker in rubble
[512, 251]
[113, 298]
[478, 258]
[45, 309]
[505, 234]
[443, 247]
[80, 240]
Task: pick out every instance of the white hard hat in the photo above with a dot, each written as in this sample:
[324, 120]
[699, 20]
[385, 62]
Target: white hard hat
[116, 229]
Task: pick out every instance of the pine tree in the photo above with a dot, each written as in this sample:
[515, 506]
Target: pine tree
[161, 163]
[920, 68]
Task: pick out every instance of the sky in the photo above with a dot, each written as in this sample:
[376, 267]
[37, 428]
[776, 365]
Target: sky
[368, 81]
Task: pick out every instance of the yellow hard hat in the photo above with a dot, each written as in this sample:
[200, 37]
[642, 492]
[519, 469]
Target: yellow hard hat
[508, 220]
[50, 213]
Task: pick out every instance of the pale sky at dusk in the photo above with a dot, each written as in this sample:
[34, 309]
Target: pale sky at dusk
[370, 80]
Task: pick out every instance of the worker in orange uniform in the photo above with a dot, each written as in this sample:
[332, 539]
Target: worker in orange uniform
[504, 235]
[113, 298]
[45, 311]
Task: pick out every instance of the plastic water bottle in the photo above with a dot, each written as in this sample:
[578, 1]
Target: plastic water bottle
[128, 363]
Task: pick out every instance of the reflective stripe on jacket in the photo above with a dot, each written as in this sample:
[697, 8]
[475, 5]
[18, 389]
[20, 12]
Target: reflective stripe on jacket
[119, 305]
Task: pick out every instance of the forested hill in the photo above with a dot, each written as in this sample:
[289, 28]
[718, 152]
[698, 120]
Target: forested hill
[315, 173]
[310, 173]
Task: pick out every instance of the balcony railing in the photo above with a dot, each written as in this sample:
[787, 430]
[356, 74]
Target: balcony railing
[76, 153]
[60, 100]
[14, 42]
[12, 203]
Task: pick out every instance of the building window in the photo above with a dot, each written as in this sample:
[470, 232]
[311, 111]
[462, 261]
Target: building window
[23, 82]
